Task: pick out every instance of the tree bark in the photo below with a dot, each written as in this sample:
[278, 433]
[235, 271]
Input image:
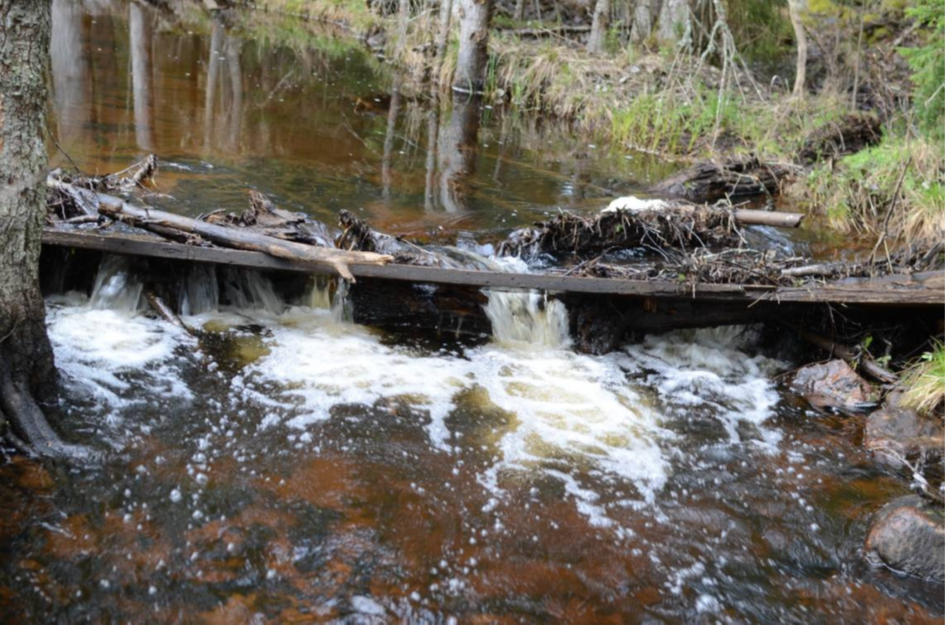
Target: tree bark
[474, 19]
[795, 7]
[26, 359]
[674, 20]
[595, 42]
[457, 151]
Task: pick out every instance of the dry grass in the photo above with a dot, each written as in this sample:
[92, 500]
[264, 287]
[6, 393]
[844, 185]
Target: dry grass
[856, 193]
[924, 381]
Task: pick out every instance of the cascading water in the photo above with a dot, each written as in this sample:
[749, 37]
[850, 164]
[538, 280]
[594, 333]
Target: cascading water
[199, 291]
[116, 287]
[250, 290]
[525, 317]
[528, 318]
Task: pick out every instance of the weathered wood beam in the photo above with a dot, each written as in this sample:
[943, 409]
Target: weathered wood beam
[921, 289]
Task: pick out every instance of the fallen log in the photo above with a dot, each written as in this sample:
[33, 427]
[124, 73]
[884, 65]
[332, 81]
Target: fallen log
[853, 356]
[162, 222]
[266, 218]
[777, 219]
[735, 179]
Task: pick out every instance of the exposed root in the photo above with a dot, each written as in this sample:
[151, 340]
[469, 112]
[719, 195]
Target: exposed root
[28, 424]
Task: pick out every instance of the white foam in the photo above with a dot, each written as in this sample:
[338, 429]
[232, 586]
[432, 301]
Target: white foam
[633, 203]
[96, 349]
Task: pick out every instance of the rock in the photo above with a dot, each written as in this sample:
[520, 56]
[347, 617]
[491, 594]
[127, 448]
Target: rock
[908, 536]
[834, 380]
[892, 434]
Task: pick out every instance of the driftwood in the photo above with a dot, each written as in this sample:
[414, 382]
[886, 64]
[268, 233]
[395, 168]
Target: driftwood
[171, 225]
[735, 179]
[266, 218]
[158, 305]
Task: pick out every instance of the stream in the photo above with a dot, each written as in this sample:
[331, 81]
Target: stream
[287, 465]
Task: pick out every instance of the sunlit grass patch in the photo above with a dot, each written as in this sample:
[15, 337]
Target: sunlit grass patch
[924, 381]
[856, 193]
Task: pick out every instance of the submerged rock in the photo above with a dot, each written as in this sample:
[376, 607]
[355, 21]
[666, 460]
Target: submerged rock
[833, 383]
[893, 434]
[908, 536]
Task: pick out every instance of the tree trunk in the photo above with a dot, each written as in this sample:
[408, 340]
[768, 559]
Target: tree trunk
[595, 43]
[674, 20]
[795, 7]
[474, 18]
[139, 37]
[26, 357]
[442, 41]
[457, 152]
[642, 21]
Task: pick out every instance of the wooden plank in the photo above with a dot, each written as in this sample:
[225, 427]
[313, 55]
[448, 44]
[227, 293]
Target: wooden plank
[925, 289]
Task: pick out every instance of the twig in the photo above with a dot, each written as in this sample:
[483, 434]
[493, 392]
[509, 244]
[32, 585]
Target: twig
[892, 208]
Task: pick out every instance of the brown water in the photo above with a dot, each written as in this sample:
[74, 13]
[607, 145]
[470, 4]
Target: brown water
[288, 466]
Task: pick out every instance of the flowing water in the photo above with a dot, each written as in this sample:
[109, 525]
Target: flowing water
[284, 465]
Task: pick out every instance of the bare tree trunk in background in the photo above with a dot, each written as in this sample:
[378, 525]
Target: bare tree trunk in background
[796, 7]
[674, 20]
[213, 70]
[474, 18]
[403, 20]
[457, 151]
[442, 39]
[389, 137]
[433, 130]
[26, 358]
[519, 13]
[139, 36]
[595, 42]
[642, 21]
[70, 75]
[235, 113]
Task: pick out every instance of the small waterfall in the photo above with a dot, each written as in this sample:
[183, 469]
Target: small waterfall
[528, 317]
[318, 293]
[251, 290]
[340, 310]
[116, 287]
[199, 291]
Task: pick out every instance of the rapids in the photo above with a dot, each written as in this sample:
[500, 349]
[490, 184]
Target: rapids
[286, 465]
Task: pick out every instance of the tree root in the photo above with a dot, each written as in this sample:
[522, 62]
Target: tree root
[27, 426]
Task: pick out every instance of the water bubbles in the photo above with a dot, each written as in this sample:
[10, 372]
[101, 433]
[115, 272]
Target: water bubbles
[176, 496]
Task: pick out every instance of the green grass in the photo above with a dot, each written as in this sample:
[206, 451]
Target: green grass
[855, 193]
[924, 381]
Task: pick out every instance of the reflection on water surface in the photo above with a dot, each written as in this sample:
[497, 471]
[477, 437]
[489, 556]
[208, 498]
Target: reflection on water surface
[287, 466]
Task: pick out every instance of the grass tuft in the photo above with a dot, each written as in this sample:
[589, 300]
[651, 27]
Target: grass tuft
[856, 192]
[924, 381]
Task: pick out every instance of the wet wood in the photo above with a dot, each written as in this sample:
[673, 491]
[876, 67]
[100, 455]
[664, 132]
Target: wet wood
[853, 356]
[735, 179]
[925, 289]
[158, 305]
[747, 217]
[161, 222]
